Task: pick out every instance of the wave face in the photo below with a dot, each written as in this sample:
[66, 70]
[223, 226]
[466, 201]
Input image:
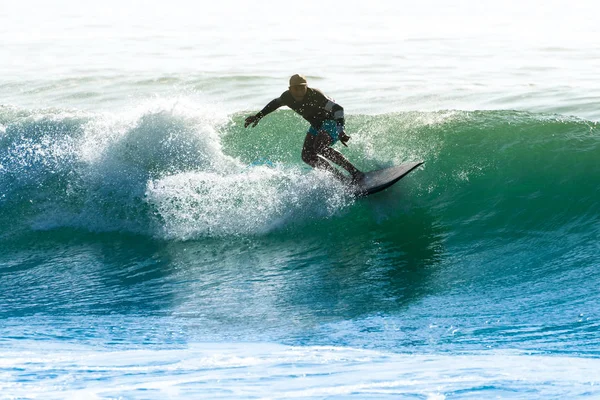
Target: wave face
[171, 171]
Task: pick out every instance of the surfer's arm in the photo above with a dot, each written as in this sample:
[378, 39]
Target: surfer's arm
[269, 108]
[337, 112]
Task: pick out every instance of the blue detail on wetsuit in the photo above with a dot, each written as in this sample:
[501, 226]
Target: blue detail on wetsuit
[330, 126]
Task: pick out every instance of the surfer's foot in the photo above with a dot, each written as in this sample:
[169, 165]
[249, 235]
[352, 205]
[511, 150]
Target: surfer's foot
[357, 177]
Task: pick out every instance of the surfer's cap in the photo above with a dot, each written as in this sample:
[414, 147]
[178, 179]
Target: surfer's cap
[298, 80]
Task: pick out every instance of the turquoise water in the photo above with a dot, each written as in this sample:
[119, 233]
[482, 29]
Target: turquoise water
[151, 247]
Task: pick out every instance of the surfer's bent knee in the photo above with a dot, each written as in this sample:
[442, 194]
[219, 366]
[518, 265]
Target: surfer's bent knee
[309, 157]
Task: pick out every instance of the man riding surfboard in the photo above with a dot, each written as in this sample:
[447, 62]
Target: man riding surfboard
[326, 119]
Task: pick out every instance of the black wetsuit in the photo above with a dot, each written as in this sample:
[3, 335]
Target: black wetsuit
[315, 107]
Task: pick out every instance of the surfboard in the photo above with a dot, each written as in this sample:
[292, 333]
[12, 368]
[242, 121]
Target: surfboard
[376, 181]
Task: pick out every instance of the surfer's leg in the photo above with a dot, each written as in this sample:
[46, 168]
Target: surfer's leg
[311, 156]
[323, 146]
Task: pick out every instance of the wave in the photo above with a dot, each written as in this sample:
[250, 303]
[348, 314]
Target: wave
[159, 170]
[180, 170]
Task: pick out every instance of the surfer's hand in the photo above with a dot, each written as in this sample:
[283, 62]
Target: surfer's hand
[344, 138]
[253, 119]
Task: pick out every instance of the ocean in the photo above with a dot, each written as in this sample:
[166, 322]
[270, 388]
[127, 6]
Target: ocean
[152, 248]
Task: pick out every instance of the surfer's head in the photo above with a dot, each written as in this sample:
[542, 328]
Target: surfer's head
[298, 87]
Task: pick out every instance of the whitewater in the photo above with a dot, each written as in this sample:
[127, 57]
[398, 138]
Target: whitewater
[151, 247]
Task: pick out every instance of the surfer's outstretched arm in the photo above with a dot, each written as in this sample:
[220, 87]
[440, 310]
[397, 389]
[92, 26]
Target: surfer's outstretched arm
[269, 108]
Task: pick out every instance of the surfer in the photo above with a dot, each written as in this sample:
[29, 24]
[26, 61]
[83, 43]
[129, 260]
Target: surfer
[326, 119]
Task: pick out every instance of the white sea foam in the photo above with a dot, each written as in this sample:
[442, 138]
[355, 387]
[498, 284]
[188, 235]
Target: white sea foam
[159, 169]
[259, 370]
[253, 201]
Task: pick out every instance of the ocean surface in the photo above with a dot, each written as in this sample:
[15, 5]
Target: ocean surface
[153, 248]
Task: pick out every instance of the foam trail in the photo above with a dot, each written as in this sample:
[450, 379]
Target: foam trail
[254, 201]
